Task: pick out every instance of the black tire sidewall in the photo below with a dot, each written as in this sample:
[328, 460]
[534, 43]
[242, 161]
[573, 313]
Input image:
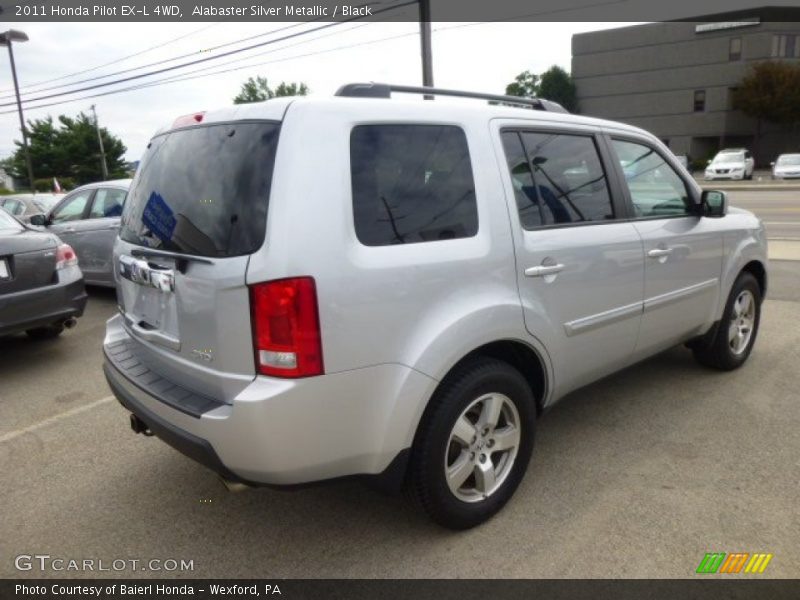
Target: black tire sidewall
[480, 378]
[745, 281]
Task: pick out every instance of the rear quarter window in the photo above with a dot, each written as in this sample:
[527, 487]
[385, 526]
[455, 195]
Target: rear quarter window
[411, 184]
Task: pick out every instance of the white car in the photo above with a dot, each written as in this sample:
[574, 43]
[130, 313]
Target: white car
[736, 163]
[786, 167]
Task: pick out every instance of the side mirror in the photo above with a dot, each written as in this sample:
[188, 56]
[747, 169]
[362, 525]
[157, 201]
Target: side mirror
[714, 203]
[39, 220]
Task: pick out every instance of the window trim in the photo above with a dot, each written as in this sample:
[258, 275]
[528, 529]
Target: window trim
[383, 122]
[618, 206]
[634, 139]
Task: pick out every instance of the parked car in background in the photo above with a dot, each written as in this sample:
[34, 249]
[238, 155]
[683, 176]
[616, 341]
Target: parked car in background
[787, 166]
[41, 285]
[25, 206]
[733, 163]
[448, 273]
[88, 220]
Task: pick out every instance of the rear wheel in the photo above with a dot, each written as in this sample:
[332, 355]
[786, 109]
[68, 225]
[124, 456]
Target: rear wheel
[474, 446]
[736, 333]
[45, 333]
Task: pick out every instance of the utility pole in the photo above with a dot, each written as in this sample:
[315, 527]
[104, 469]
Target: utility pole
[102, 150]
[6, 39]
[425, 43]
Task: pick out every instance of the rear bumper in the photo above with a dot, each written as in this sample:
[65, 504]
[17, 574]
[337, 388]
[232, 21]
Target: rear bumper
[290, 432]
[45, 305]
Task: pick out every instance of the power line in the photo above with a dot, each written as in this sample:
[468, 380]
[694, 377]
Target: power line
[163, 61]
[113, 62]
[209, 58]
[192, 75]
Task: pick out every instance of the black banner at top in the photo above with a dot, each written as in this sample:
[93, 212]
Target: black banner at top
[392, 10]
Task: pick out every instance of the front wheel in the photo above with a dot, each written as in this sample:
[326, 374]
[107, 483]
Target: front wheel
[474, 444]
[737, 330]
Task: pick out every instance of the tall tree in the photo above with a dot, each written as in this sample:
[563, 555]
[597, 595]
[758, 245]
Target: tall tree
[770, 92]
[69, 149]
[556, 84]
[258, 90]
[526, 85]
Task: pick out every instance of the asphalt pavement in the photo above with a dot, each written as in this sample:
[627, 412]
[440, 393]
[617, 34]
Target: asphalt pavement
[638, 475]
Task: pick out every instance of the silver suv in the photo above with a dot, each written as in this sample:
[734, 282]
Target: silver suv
[318, 288]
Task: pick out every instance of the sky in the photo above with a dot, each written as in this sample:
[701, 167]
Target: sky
[480, 57]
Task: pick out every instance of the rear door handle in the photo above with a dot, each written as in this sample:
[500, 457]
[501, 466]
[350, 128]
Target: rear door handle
[659, 252]
[543, 270]
[69, 230]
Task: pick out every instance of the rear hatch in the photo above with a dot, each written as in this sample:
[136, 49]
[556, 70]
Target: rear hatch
[195, 212]
[27, 258]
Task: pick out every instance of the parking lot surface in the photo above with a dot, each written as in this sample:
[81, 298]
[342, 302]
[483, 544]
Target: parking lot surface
[638, 475]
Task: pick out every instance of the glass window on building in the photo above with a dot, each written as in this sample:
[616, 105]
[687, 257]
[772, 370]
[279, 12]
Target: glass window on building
[786, 46]
[699, 100]
[735, 49]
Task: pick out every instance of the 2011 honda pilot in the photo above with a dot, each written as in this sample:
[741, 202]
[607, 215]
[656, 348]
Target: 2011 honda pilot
[318, 288]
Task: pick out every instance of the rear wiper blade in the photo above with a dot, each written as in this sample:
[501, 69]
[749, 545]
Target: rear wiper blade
[181, 260]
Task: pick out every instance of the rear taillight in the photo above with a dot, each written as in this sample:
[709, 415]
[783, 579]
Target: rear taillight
[65, 256]
[286, 334]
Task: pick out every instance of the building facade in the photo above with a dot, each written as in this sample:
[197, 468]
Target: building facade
[677, 79]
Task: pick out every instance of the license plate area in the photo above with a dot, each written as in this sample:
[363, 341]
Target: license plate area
[149, 302]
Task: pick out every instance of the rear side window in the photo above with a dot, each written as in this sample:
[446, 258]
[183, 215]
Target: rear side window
[107, 203]
[567, 182]
[411, 183]
[203, 190]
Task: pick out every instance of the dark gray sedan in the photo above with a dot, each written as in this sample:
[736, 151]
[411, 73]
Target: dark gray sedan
[41, 285]
[87, 219]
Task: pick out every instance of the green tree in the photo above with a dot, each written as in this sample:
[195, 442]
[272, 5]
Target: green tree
[68, 149]
[258, 90]
[526, 85]
[556, 84]
[770, 91]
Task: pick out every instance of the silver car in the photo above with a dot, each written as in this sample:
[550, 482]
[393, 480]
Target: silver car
[787, 166]
[26, 206]
[316, 288]
[88, 220]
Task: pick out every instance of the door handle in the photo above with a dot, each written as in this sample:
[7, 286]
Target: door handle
[659, 252]
[69, 230]
[543, 270]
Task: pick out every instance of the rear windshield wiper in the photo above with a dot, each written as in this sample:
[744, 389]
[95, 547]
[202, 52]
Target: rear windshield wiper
[181, 260]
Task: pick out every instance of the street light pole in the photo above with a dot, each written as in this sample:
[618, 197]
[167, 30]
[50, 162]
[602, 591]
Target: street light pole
[6, 39]
[102, 150]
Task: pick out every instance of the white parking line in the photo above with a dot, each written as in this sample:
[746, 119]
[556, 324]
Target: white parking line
[54, 419]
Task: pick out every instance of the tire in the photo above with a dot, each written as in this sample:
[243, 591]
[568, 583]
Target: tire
[45, 333]
[725, 351]
[471, 392]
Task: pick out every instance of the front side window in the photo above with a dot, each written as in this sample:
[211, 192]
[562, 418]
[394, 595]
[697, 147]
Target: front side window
[656, 189]
[73, 208]
[567, 183]
[411, 183]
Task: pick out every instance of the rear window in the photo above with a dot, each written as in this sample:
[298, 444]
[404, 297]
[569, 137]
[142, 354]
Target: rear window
[203, 190]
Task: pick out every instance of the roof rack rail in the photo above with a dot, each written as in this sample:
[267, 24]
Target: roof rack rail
[384, 90]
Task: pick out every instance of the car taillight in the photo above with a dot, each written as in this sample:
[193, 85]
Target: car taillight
[286, 333]
[65, 256]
